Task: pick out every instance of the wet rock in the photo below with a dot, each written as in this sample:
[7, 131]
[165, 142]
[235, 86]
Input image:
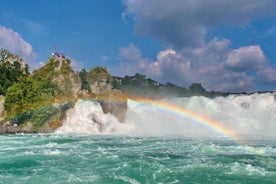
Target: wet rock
[115, 103]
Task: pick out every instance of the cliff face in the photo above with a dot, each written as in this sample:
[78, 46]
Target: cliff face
[101, 86]
[99, 80]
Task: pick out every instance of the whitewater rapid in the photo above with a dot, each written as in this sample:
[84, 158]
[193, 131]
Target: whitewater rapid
[253, 115]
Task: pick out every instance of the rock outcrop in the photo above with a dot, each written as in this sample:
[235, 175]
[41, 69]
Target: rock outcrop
[101, 86]
[99, 80]
[7, 57]
[112, 101]
[115, 103]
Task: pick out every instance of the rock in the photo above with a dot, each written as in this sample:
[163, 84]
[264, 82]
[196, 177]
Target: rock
[6, 124]
[27, 128]
[67, 80]
[9, 128]
[99, 80]
[101, 86]
[2, 100]
[3, 130]
[115, 103]
[13, 130]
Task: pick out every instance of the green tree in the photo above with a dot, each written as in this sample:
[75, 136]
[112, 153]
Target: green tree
[28, 94]
[126, 80]
[197, 89]
[11, 68]
[84, 83]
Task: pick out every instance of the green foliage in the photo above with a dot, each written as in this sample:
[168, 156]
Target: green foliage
[126, 80]
[116, 84]
[28, 94]
[63, 77]
[141, 85]
[84, 83]
[197, 89]
[98, 73]
[42, 115]
[37, 117]
[10, 70]
[46, 72]
[51, 83]
[136, 85]
[19, 118]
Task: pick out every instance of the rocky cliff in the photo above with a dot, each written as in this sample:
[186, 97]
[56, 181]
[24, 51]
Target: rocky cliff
[38, 103]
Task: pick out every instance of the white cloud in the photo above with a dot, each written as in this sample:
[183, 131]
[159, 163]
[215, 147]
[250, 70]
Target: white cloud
[267, 75]
[183, 24]
[130, 53]
[246, 58]
[13, 41]
[216, 65]
[205, 65]
[131, 61]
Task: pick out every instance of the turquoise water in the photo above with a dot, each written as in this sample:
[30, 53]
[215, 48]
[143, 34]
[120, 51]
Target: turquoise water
[54, 158]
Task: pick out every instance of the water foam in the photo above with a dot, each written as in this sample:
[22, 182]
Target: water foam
[245, 114]
[87, 117]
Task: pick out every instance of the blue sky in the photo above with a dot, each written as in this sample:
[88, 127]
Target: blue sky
[226, 45]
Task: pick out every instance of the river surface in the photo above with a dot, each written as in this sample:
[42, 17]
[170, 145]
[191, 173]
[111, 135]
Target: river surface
[55, 158]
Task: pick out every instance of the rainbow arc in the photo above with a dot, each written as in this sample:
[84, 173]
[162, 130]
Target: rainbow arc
[196, 117]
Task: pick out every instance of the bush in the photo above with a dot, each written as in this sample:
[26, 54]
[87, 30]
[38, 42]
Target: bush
[42, 115]
[28, 94]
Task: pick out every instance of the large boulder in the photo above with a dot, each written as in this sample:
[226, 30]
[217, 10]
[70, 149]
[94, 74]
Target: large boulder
[115, 103]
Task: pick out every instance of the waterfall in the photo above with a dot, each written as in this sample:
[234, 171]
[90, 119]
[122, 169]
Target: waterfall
[253, 114]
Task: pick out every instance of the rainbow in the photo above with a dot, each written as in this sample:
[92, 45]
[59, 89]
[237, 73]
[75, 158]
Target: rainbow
[199, 118]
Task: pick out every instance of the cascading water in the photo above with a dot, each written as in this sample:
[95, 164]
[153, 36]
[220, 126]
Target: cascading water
[87, 117]
[244, 114]
[141, 154]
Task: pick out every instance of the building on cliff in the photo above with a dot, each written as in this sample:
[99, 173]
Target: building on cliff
[58, 55]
